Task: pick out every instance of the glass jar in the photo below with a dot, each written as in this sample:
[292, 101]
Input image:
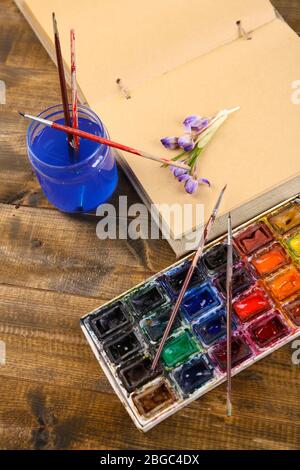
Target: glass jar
[73, 181]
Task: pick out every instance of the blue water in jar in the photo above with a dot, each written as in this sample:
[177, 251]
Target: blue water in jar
[72, 181]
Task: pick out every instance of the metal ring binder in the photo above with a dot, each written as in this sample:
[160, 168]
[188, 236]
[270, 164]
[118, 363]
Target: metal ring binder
[242, 32]
[123, 89]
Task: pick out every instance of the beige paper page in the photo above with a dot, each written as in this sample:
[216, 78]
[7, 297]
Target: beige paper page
[256, 149]
[140, 39]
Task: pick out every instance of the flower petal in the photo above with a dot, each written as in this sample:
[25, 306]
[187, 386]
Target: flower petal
[179, 172]
[186, 142]
[195, 123]
[191, 185]
[204, 181]
[183, 178]
[170, 142]
[188, 122]
[199, 125]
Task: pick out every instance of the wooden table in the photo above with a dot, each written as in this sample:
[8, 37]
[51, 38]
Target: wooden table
[53, 269]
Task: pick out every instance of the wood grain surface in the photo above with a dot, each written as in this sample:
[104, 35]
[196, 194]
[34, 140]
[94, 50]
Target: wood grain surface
[54, 269]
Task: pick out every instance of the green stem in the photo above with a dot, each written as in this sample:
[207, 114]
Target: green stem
[192, 162]
[174, 159]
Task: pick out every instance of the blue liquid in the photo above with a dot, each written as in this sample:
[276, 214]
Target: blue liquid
[74, 182]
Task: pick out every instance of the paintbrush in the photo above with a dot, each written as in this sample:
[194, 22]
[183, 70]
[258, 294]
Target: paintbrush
[74, 90]
[61, 74]
[102, 140]
[187, 279]
[229, 311]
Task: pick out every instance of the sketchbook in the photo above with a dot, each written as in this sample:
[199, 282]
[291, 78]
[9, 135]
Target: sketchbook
[179, 58]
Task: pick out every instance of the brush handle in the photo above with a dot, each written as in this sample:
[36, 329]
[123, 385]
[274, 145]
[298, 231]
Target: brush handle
[183, 289]
[229, 273]
[173, 316]
[111, 143]
[74, 89]
[62, 79]
[197, 255]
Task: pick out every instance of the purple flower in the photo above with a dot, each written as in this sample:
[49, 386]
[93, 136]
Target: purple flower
[186, 142]
[179, 172]
[170, 142]
[195, 123]
[189, 121]
[191, 185]
[183, 178]
[193, 126]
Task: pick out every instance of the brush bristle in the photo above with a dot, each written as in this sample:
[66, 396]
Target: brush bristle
[21, 114]
[229, 410]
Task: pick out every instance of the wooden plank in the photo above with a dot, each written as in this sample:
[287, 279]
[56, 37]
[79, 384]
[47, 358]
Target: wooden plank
[44, 416]
[42, 329]
[46, 249]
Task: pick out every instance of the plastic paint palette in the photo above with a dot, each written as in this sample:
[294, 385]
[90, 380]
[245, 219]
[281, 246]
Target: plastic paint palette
[125, 333]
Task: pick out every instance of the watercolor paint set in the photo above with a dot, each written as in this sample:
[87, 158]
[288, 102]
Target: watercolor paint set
[125, 333]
